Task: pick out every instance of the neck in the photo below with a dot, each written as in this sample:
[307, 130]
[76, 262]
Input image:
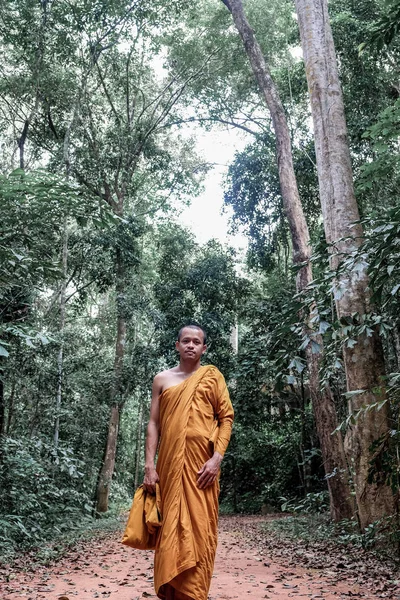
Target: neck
[188, 366]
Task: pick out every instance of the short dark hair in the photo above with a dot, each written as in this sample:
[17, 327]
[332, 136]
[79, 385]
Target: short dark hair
[193, 325]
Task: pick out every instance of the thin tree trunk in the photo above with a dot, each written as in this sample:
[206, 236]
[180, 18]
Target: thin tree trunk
[396, 337]
[10, 408]
[139, 442]
[107, 469]
[324, 409]
[64, 262]
[60, 355]
[2, 403]
[234, 338]
[21, 144]
[364, 363]
[21, 141]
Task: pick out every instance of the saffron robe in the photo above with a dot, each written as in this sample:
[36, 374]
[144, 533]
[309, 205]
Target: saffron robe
[195, 420]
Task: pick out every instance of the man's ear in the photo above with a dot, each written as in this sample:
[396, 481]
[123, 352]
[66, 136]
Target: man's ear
[204, 349]
[176, 344]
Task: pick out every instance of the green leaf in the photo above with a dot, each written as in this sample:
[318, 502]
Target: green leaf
[315, 348]
[351, 343]
[3, 351]
[323, 326]
[395, 289]
[19, 256]
[353, 393]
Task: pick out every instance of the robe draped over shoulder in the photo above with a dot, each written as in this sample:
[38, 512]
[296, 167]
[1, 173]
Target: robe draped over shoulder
[195, 419]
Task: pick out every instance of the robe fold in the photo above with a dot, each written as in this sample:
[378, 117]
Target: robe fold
[195, 420]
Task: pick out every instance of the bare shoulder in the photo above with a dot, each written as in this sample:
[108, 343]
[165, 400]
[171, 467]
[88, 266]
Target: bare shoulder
[163, 379]
[165, 374]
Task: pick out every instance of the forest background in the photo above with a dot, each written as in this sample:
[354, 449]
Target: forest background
[97, 273]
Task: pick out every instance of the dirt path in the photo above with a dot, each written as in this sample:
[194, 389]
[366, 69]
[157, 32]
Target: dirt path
[106, 569]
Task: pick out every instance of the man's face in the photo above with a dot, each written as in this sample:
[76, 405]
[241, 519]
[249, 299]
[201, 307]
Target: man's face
[191, 345]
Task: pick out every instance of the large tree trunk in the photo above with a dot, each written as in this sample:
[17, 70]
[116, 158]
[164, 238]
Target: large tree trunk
[364, 362]
[324, 409]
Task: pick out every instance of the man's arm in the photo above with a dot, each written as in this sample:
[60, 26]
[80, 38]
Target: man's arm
[152, 438]
[224, 410]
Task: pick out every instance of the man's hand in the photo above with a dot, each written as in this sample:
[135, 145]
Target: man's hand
[150, 479]
[209, 471]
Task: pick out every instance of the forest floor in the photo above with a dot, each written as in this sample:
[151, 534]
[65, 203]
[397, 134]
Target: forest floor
[249, 564]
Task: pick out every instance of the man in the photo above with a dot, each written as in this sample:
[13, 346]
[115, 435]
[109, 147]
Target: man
[191, 419]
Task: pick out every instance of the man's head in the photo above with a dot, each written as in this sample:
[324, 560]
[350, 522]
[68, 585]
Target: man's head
[193, 325]
[191, 343]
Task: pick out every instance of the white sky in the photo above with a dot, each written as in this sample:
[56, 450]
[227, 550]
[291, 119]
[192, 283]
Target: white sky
[204, 216]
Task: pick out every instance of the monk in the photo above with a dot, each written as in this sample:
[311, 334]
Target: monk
[190, 424]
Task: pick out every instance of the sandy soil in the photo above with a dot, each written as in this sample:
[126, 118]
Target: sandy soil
[106, 569]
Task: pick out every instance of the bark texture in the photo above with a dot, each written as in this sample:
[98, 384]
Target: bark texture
[325, 414]
[364, 362]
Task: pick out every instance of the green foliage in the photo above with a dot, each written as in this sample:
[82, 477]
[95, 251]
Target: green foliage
[314, 502]
[106, 86]
[254, 481]
[252, 190]
[43, 492]
[386, 27]
[314, 528]
[197, 284]
[33, 206]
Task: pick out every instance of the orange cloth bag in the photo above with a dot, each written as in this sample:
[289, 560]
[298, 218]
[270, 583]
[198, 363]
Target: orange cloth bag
[144, 520]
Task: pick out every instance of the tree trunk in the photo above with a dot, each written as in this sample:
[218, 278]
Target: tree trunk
[332, 447]
[364, 362]
[325, 414]
[106, 473]
[10, 408]
[139, 442]
[396, 337]
[60, 355]
[2, 403]
[107, 469]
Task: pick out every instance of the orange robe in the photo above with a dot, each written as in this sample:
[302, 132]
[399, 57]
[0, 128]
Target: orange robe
[189, 415]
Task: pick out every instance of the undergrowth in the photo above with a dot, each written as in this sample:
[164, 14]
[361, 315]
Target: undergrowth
[382, 537]
[53, 550]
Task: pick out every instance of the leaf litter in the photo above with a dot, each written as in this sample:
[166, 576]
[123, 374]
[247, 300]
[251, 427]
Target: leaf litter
[250, 563]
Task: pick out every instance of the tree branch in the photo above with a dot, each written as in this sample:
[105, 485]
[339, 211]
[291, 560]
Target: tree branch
[103, 85]
[212, 119]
